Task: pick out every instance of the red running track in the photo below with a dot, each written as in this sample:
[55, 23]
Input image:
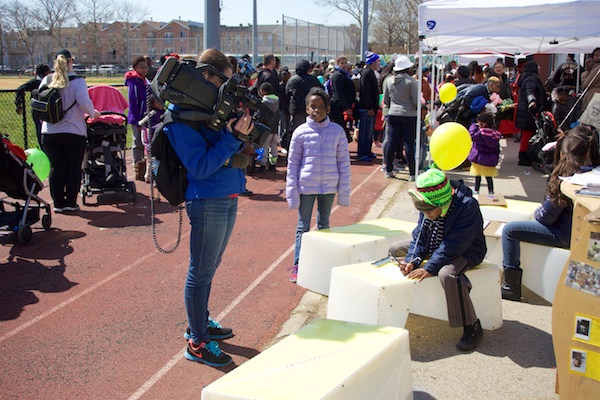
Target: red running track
[90, 309]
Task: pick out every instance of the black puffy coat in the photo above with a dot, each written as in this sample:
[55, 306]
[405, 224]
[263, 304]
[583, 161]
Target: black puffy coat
[531, 89]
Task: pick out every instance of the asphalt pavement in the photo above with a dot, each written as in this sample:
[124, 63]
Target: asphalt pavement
[513, 362]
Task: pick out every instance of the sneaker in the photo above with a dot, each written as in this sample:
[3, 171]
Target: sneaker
[411, 178]
[365, 158]
[283, 151]
[389, 175]
[59, 209]
[471, 337]
[294, 275]
[215, 331]
[491, 192]
[475, 191]
[207, 353]
[247, 193]
[74, 208]
[398, 166]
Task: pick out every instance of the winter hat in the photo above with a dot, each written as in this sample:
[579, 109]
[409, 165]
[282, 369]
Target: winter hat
[302, 67]
[463, 72]
[371, 57]
[433, 190]
[64, 52]
[478, 104]
[401, 63]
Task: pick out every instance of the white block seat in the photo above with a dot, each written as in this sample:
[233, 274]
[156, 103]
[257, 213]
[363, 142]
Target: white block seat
[326, 359]
[515, 210]
[383, 296]
[542, 266]
[365, 241]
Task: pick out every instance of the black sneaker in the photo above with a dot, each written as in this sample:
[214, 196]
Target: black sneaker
[207, 353]
[471, 337]
[215, 331]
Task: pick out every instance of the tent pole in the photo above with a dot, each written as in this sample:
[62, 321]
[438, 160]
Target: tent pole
[419, 105]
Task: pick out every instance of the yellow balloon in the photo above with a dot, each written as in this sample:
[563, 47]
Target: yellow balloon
[447, 92]
[450, 145]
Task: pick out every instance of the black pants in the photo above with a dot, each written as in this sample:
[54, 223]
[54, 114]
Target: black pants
[65, 152]
[400, 130]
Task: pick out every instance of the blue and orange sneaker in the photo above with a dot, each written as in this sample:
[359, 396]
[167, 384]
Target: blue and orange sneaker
[294, 274]
[207, 353]
[215, 331]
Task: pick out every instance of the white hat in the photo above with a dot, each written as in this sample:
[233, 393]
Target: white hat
[401, 63]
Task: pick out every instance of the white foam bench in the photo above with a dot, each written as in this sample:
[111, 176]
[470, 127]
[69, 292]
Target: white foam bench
[383, 296]
[365, 241]
[515, 210]
[326, 359]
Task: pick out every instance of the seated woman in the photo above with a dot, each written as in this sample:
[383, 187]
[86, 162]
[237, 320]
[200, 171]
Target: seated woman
[552, 225]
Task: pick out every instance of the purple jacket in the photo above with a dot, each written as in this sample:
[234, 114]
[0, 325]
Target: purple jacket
[136, 85]
[318, 162]
[486, 146]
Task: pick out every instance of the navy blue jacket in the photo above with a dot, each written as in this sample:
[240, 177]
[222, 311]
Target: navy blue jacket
[463, 234]
[557, 219]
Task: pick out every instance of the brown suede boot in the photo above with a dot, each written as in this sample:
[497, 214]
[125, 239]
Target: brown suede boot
[140, 169]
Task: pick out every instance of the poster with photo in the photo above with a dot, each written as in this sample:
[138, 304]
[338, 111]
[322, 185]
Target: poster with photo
[583, 327]
[583, 277]
[578, 361]
[593, 252]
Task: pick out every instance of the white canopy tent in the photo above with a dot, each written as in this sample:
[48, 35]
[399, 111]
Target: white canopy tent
[515, 27]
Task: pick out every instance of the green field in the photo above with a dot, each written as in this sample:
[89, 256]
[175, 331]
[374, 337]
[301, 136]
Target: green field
[11, 123]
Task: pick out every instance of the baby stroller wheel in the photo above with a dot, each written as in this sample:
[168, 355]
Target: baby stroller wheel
[24, 234]
[131, 190]
[46, 221]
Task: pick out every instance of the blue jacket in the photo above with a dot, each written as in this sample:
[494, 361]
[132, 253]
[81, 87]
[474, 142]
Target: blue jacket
[557, 219]
[463, 234]
[204, 155]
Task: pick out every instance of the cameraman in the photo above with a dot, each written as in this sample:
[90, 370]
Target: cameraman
[211, 204]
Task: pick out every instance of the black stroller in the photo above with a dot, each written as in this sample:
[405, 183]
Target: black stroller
[104, 168]
[19, 182]
[545, 132]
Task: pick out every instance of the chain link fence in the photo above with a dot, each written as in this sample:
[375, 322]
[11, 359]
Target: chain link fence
[304, 40]
[20, 128]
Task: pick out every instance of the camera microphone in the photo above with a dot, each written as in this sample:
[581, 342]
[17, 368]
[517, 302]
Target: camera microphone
[237, 160]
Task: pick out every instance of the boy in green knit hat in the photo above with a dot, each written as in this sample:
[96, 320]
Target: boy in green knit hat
[449, 237]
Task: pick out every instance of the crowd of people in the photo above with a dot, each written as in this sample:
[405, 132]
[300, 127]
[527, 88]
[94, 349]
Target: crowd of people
[315, 113]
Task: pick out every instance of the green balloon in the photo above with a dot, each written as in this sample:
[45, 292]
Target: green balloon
[39, 163]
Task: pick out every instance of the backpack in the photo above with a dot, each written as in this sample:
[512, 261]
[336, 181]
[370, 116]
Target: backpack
[46, 103]
[329, 87]
[168, 171]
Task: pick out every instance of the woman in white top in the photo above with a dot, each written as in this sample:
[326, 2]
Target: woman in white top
[65, 140]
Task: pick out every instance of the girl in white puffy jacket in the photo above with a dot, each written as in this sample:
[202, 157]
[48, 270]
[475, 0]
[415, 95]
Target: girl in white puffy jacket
[318, 168]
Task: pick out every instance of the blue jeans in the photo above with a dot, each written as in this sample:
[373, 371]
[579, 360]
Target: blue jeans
[365, 133]
[527, 231]
[212, 221]
[307, 201]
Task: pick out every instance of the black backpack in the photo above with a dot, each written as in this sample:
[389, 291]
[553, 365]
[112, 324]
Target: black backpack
[168, 171]
[46, 103]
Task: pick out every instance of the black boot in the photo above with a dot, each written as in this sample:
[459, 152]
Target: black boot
[471, 337]
[524, 159]
[511, 286]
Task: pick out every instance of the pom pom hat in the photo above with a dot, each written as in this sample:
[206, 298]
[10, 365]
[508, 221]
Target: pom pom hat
[433, 190]
[371, 57]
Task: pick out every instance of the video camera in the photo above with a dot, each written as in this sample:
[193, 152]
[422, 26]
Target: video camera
[183, 84]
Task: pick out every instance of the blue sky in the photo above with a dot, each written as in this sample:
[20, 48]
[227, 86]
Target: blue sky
[235, 12]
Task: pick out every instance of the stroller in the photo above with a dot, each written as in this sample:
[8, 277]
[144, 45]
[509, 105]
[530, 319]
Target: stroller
[545, 131]
[19, 182]
[104, 162]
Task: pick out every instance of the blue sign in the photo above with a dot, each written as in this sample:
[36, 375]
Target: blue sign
[430, 25]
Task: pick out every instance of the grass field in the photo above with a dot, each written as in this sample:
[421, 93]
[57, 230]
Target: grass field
[11, 123]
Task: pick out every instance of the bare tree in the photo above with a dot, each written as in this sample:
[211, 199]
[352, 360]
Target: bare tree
[394, 26]
[93, 15]
[128, 13]
[25, 25]
[53, 15]
[351, 7]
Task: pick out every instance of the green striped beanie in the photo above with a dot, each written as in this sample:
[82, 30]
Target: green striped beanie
[433, 188]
